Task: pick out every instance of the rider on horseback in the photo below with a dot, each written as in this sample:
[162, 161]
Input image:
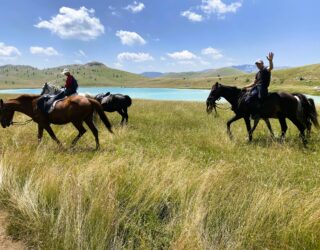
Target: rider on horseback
[259, 88]
[71, 85]
[46, 102]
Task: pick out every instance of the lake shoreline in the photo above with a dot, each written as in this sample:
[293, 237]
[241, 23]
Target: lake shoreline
[158, 94]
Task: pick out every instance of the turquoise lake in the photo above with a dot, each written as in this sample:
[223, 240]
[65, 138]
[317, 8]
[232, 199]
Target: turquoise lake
[168, 94]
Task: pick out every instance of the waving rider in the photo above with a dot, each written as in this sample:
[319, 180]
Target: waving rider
[259, 88]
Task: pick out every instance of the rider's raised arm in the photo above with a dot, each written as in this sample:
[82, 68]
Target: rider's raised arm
[270, 59]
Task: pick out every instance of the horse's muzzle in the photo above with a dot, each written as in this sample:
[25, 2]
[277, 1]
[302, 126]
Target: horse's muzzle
[5, 123]
[210, 106]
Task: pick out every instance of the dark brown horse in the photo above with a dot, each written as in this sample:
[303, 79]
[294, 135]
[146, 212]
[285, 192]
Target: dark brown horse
[74, 109]
[277, 105]
[115, 102]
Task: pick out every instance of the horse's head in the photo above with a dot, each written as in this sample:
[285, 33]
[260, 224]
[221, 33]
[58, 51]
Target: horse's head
[6, 115]
[215, 95]
[50, 89]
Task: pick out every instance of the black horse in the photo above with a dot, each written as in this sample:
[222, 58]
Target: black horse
[278, 105]
[115, 102]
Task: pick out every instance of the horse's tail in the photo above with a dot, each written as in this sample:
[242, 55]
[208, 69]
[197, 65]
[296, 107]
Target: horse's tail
[313, 113]
[308, 111]
[128, 100]
[98, 108]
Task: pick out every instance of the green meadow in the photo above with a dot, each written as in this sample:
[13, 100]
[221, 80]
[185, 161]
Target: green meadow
[170, 179]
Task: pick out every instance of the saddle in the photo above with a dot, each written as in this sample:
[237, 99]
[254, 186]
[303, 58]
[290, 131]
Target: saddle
[99, 97]
[107, 99]
[47, 103]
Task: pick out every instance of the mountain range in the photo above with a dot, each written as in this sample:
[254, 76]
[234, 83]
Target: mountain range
[225, 71]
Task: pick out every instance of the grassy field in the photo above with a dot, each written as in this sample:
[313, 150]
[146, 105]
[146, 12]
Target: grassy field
[171, 179]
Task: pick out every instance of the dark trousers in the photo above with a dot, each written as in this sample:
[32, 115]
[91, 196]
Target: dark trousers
[255, 99]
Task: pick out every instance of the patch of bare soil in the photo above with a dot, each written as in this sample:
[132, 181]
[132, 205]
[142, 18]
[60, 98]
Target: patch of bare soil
[7, 243]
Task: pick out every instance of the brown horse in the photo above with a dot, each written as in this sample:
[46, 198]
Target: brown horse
[74, 109]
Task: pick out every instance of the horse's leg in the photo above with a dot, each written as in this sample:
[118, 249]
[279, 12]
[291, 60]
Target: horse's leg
[52, 135]
[308, 125]
[248, 125]
[233, 119]
[81, 130]
[284, 127]
[301, 128]
[122, 115]
[255, 124]
[94, 130]
[125, 111]
[269, 126]
[40, 133]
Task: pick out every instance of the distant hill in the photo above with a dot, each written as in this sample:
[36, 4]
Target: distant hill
[152, 74]
[305, 79]
[90, 74]
[251, 68]
[226, 71]
[248, 68]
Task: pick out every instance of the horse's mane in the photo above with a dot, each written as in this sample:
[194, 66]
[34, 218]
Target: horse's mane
[230, 87]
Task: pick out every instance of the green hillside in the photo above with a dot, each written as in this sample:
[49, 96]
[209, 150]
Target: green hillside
[90, 74]
[304, 79]
[226, 71]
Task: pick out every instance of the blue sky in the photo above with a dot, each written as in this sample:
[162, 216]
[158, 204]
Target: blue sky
[166, 36]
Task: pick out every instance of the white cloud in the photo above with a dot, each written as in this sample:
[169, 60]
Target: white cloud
[182, 55]
[219, 7]
[49, 51]
[8, 52]
[212, 52]
[134, 57]
[78, 61]
[192, 16]
[130, 38]
[74, 24]
[135, 7]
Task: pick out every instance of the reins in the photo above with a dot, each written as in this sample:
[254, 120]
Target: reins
[21, 123]
[219, 107]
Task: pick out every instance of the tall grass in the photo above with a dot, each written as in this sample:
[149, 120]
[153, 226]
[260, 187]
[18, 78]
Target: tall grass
[171, 179]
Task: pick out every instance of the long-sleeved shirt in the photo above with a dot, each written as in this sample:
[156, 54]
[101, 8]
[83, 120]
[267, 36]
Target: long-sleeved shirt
[69, 82]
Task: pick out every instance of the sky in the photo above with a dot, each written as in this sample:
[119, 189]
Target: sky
[163, 36]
